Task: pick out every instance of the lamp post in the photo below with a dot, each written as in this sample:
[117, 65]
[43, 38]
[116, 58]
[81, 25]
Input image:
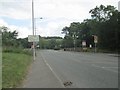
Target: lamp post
[35, 19]
[33, 29]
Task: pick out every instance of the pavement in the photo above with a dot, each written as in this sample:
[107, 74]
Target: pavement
[41, 76]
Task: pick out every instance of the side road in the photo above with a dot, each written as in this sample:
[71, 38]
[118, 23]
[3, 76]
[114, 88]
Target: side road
[40, 75]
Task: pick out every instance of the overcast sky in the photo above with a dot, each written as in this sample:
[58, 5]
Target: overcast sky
[56, 14]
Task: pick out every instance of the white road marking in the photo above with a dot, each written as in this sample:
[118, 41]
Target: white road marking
[114, 55]
[55, 51]
[110, 67]
[106, 68]
[53, 71]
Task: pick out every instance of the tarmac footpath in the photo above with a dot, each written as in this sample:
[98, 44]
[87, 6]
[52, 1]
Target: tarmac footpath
[40, 75]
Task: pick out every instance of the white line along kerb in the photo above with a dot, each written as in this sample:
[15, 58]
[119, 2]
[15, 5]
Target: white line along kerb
[53, 72]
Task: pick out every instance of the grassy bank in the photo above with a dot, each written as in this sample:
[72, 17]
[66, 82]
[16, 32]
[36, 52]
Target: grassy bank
[14, 67]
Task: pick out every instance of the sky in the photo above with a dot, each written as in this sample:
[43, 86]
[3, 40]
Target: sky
[56, 14]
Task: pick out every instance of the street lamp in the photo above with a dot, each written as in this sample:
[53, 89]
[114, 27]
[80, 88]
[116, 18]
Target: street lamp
[33, 29]
[34, 32]
[35, 19]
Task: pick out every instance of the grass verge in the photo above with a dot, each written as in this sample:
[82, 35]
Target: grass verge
[14, 68]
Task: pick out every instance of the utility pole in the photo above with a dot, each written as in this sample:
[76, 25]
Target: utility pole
[33, 29]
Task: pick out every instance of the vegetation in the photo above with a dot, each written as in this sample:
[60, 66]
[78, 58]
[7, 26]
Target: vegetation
[104, 23]
[10, 42]
[50, 42]
[55, 37]
[14, 67]
[16, 58]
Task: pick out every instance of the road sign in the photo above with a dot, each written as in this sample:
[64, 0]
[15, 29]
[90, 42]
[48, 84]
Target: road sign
[33, 38]
[95, 39]
[83, 43]
[90, 46]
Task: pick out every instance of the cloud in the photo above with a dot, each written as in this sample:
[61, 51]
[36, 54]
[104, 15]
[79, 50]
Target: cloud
[15, 9]
[56, 14]
[71, 9]
[52, 28]
[22, 31]
[3, 23]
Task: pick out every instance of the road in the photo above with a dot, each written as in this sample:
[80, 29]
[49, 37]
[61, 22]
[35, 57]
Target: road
[84, 70]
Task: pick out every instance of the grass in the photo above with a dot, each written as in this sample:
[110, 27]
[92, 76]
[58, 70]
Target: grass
[14, 68]
[17, 50]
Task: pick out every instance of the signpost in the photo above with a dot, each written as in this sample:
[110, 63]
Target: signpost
[34, 39]
[95, 41]
[84, 45]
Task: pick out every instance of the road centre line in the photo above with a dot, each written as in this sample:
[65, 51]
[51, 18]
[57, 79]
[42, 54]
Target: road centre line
[110, 67]
[53, 71]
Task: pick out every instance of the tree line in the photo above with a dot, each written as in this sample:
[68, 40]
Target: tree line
[104, 23]
[10, 40]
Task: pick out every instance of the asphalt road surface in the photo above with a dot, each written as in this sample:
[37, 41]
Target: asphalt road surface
[84, 70]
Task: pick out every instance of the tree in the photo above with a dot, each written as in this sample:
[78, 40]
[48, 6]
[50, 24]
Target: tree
[9, 38]
[71, 34]
[102, 13]
[50, 42]
[109, 32]
[76, 33]
[106, 19]
[104, 24]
